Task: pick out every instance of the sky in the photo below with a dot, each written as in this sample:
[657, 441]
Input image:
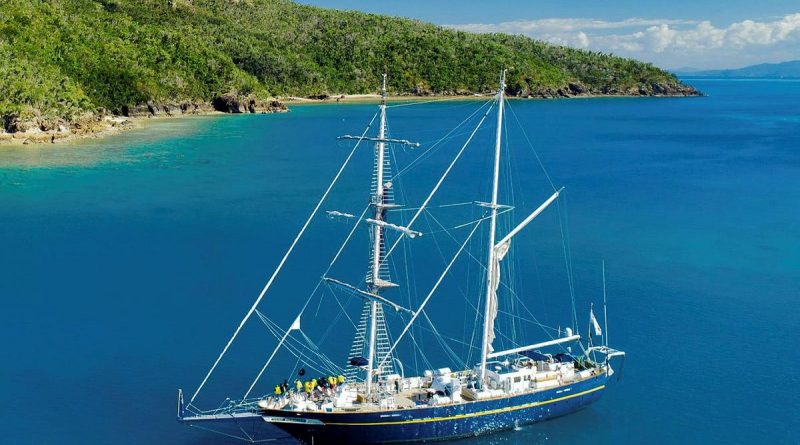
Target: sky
[701, 34]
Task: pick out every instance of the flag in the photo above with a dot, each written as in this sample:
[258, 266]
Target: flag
[597, 330]
[296, 325]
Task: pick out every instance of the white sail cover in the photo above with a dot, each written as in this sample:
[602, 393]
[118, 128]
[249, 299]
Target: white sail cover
[499, 253]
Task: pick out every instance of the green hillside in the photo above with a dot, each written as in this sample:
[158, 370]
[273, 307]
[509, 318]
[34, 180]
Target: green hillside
[62, 58]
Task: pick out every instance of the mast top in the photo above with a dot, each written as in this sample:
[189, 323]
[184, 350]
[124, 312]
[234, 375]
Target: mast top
[383, 90]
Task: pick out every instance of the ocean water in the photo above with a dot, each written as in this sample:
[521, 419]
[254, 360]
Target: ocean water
[127, 262]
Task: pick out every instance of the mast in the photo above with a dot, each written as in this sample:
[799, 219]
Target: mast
[605, 310]
[490, 265]
[377, 236]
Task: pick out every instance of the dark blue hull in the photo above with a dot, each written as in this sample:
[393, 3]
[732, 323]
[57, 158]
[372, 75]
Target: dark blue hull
[441, 422]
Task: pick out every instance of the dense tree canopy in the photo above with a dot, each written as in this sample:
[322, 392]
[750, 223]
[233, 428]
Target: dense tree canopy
[62, 57]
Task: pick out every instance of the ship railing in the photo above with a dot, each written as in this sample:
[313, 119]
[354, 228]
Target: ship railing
[605, 350]
[609, 353]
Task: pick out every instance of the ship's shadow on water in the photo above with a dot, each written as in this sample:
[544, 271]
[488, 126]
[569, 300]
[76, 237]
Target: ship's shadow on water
[566, 429]
[212, 439]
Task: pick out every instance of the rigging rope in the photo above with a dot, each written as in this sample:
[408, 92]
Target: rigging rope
[565, 244]
[276, 331]
[430, 294]
[535, 154]
[282, 340]
[431, 101]
[439, 182]
[444, 346]
[502, 283]
[440, 338]
[422, 354]
[283, 261]
[416, 351]
[413, 163]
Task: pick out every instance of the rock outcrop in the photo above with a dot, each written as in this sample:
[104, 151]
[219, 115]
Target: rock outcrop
[232, 103]
[32, 128]
[227, 103]
[152, 109]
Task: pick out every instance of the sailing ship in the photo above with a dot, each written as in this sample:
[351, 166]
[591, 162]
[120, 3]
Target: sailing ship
[368, 399]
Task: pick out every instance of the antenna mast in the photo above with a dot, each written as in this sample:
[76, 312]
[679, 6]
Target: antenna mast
[490, 265]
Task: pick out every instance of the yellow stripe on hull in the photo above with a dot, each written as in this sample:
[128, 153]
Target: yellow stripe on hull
[477, 414]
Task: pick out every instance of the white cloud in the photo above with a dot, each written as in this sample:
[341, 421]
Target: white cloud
[670, 42]
[563, 25]
[577, 40]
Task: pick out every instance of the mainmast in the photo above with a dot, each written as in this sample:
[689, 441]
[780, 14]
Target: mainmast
[492, 275]
[378, 202]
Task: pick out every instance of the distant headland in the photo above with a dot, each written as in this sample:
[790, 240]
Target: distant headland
[782, 70]
[88, 67]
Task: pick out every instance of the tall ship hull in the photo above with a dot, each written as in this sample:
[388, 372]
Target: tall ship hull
[440, 422]
[410, 425]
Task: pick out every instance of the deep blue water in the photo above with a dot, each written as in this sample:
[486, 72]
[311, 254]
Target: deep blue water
[127, 262]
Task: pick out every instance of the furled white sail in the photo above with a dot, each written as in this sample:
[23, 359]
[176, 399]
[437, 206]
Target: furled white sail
[499, 253]
[408, 232]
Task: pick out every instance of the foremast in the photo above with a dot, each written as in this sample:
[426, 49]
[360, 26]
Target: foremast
[492, 271]
[378, 202]
[371, 339]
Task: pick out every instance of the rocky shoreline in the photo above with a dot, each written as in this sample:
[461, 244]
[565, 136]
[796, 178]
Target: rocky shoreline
[529, 91]
[101, 122]
[576, 89]
[17, 130]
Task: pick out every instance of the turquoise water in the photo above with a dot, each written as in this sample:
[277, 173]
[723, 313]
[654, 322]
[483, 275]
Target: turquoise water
[127, 262]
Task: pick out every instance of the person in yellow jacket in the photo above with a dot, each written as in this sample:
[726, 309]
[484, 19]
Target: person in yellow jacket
[332, 381]
[308, 388]
[278, 390]
[340, 379]
[298, 386]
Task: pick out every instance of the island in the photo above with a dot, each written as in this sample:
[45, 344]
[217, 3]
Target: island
[783, 70]
[84, 67]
